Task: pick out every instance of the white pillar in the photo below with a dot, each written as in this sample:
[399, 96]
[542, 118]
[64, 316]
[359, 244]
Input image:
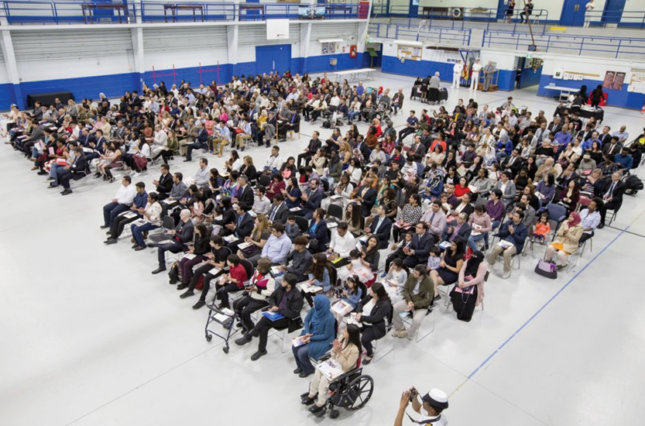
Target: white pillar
[232, 36]
[12, 67]
[305, 39]
[137, 50]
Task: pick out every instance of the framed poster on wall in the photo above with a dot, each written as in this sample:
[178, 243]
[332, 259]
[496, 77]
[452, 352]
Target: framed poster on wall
[637, 81]
[409, 52]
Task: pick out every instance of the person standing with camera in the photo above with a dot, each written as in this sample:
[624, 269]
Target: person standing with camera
[426, 410]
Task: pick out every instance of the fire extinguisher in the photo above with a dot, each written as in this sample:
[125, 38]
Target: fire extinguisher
[353, 51]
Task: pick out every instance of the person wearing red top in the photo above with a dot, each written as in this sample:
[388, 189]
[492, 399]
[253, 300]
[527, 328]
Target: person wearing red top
[462, 187]
[440, 141]
[231, 282]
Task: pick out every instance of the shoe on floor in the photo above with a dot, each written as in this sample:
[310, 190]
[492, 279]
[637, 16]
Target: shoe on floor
[306, 400]
[303, 374]
[297, 370]
[258, 355]
[399, 333]
[42, 173]
[600, 226]
[315, 409]
[180, 286]
[367, 360]
[156, 271]
[187, 294]
[110, 241]
[199, 304]
[506, 275]
[243, 340]
[66, 192]
[104, 226]
[139, 248]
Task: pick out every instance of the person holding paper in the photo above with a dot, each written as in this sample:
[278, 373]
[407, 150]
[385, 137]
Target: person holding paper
[151, 220]
[316, 337]
[342, 242]
[255, 297]
[120, 203]
[174, 240]
[318, 276]
[119, 222]
[345, 352]
[212, 268]
[514, 232]
[374, 324]
[418, 294]
[284, 312]
[231, 282]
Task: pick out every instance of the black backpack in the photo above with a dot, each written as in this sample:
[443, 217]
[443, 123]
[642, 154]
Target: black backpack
[633, 184]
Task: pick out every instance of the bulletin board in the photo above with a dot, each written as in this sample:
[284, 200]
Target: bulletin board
[412, 53]
[637, 81]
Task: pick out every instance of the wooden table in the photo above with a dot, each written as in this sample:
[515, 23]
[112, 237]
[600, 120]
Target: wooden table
[89, 8]
[175, 8]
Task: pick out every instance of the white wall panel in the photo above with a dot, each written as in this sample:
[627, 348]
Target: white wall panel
[184, 47]
[47, 55]
[4, 75]
[347, 31]
[255, 35]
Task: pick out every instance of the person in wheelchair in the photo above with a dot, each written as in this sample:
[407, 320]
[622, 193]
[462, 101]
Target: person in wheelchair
[316, 337]
[346, 351]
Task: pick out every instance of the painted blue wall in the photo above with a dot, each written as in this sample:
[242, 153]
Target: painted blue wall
[114, 85]
[393, 65]
[619, 98]
[530, 77]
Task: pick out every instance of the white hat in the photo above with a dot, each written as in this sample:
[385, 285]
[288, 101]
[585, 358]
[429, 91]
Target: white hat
[436, 398]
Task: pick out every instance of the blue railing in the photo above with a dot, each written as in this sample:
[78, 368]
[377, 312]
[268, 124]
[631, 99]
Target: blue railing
[70, 11]
[459, 14]
[442, 36]
[622, 18]
[623, 47]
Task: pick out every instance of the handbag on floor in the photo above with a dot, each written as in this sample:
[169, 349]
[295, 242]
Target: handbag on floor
[546, 269]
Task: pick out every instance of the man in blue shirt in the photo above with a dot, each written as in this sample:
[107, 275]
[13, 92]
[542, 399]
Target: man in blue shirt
[410, 128]
[360, 89]
[276, 248]
[586, 145]
[624, 159]
[512, 234]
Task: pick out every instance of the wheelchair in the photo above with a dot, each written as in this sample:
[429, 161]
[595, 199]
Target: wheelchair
[350, 391]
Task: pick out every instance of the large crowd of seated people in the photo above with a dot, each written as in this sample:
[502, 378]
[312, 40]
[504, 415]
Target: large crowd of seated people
[364, 228]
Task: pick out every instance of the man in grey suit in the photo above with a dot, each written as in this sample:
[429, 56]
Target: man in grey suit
[178, 238]
[489, 71]
[459, 230]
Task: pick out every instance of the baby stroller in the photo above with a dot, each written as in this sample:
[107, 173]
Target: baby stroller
[350, 391]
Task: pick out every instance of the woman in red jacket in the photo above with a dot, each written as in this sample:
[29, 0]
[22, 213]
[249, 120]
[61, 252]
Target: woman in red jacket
[231, 282]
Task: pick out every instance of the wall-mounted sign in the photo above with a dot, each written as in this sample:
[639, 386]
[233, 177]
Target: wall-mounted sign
[637, 81]
[409, 52]
[613, 80]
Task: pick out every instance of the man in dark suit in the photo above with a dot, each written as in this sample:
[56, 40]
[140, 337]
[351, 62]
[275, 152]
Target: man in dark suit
[311, 198]
[419, 250]
[243, 222]
[97, 146]
[76, 171]
[279, 211]
[417, 148]
[612, 148]
[244, 192]
[366, 195]
[612, 197]
[164, 183]
[458, 230]
[179, 237]
[380, 227]
[513, 162]
[312, 148]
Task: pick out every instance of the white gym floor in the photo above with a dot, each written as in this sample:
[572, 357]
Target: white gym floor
[90, 337]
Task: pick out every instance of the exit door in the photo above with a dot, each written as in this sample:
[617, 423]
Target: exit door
[613, 11]
[273, 58]
[573, 13]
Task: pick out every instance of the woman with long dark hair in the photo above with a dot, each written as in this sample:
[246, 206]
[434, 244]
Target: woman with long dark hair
[374, 324]
[452, 260]
[469, 291]
[596, 96]
[345, 351]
